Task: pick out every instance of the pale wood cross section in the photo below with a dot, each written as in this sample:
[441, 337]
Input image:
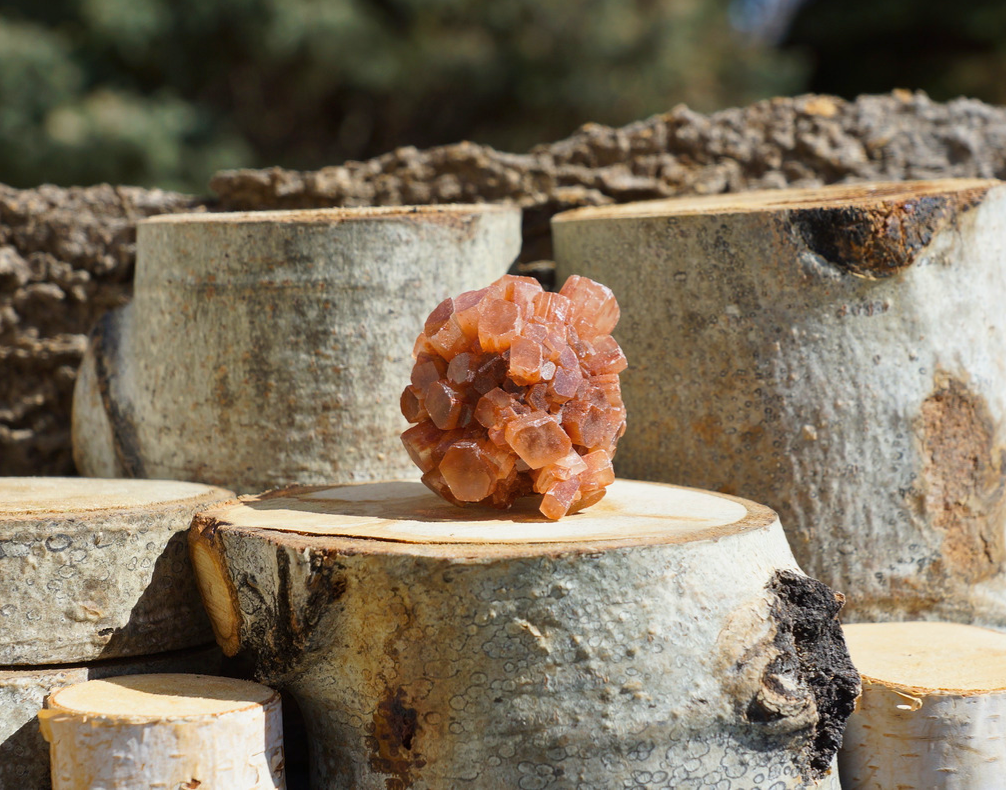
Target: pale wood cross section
[836, 196]
[406, 511]
[31, 496]
[160, 697]
[929, 657]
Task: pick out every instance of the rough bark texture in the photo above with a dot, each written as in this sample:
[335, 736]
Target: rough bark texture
[266, 349]
[181, 731]
[805, 141]
[24, 754]
[534, 662]
[95, 569]
[66, 255]
[868, 408]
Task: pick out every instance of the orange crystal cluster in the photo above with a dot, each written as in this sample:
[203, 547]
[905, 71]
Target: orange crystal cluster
[515, 391]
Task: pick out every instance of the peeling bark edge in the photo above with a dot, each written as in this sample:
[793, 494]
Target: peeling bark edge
[807, 628]
[881, 240]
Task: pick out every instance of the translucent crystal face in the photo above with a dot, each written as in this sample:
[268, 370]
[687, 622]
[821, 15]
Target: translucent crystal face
[515, 392]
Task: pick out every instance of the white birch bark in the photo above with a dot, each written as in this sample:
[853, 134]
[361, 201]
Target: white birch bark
[172, 731]
[95, 569]
[662, 638]
[24, 754]
[266, 348]
[932, 709]
[839, 354]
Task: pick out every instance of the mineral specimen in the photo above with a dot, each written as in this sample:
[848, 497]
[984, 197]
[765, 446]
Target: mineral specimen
[515, 391]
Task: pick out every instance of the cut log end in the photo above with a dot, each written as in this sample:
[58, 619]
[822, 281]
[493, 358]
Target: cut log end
[218, 594]
[446, 212]
[406, 512]
[43, 496]
[867, 230]
[929, 657]
[159, 697]
[829, 197]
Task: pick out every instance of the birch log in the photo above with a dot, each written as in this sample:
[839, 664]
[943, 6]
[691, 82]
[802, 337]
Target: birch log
[933, 708]
[265, 348]
[24, 754]
[165, 731]
[839, 353]
[661, 638]
[97, 568]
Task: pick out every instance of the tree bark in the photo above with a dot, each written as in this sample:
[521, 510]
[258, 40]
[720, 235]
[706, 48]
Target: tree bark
[165, 730]
[930, 717]
[24, 754]
[263, 349]
[837, 353]
[95, 569]
[661, 637]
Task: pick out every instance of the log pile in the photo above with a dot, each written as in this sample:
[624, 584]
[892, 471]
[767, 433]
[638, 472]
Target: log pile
[790, 346]
[74, 248]
[96, 583]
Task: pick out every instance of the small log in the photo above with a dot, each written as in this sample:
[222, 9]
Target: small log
[836, 352]
[24, 754]
[269, 347]
[165, 731]
[932, 710]
[660, 637]
[95, 569]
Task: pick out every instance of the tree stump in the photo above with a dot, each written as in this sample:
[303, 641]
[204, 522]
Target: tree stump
[663, 637]
[932, 710]
[165, 731]
[837, 353]
[95, 569]
[265, 348]
[24, 754]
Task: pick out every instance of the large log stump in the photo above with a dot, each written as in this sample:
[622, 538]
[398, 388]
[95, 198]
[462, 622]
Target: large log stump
[838, 353]
[663, 637]
[260, 349]
[95, 569]
[24, 754]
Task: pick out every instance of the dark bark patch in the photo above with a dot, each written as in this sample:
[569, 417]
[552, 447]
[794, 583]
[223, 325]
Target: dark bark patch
[963, 476]
[875, 240]
[284, 629]
[391, 744]
[813, 656]
[105, 340]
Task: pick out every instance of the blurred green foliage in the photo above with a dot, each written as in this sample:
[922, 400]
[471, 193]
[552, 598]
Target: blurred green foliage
[872, 46]
[165, 92]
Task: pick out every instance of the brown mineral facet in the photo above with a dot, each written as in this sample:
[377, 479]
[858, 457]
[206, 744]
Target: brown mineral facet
[515, 392]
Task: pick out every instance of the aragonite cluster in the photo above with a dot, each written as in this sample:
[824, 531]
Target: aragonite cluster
[515, 392]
